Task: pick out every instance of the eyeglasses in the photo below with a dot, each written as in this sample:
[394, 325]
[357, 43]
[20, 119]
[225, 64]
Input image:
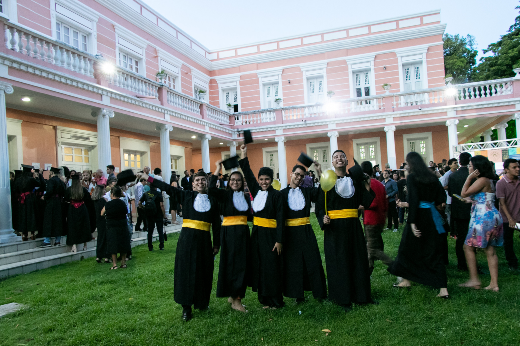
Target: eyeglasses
[235, 180]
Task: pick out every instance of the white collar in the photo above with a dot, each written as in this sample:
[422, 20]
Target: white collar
[296, 199]
[259, 201]
[345, 187]
[202, 203]
[239, 201]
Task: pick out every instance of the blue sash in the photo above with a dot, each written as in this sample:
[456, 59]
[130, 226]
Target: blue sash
[437, 218]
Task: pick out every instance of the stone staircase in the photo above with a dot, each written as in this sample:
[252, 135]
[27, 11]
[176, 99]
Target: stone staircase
[25, 257]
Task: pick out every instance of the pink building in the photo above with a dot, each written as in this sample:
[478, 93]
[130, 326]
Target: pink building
[87, 83]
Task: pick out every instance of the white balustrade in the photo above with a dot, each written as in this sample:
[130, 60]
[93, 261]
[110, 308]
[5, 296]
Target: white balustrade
[184, 102]
[133, 82]
[21, 40]
[218, 115]
[255, 117]
[484, 89]
[422, 97]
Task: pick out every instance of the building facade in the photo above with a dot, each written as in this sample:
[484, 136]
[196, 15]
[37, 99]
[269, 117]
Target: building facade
[87, 83]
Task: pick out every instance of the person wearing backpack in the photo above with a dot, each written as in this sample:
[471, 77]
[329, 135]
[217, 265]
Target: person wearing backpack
[153, 209]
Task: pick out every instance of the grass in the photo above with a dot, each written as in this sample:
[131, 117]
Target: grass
[84, 303]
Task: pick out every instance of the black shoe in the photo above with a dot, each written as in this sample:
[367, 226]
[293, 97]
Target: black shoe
[44, 244]
[186, 315]
[57, 244]
[165, 237]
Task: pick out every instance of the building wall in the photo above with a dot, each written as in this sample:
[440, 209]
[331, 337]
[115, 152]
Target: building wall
[35, 14]
[249, 92]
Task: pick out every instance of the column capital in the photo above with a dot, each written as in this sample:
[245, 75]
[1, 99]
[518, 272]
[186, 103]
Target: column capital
[488, 132]
[203, 137]
[516, 116]
[501, 126]
[332, 134]
[390, 128]
[6, 87]
[104, 112]
[164, 127]
[279, 139]
[452, 122]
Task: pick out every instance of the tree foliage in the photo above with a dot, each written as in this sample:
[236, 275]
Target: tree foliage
[459, 57]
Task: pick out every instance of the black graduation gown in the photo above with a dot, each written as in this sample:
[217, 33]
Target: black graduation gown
[78, 219]
[53, 218]
[345, 247]
[422, 259]
[39, 205]
[303, 269]
[27, 207]
[14, 206]
[266, 264]
[235, 246]
[193, 273]
[101, 225]
[117, 235]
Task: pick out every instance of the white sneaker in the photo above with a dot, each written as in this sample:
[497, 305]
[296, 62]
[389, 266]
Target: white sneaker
[395, 230]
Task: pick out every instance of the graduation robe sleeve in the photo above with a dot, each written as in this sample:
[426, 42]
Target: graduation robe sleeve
[252, 184]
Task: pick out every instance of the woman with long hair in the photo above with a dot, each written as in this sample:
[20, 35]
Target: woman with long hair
[101, 224]
[78, 217]
[420, 256]
[235, 242]
[23, 188]
[118, 238]
[485, 226]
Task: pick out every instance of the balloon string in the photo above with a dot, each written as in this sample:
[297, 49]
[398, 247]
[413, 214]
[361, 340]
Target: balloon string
[326, 213]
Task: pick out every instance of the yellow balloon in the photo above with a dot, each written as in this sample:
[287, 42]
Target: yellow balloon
[328, 180]
[277, 185]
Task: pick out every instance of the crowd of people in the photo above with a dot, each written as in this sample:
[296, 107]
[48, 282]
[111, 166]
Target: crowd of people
[280, 257]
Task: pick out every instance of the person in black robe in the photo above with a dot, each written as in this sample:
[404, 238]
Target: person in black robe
[267, 236]
[117, 235]
[78, 218]
[235, 241]
[421, 253]
[303, 269]
[39, 202]
[53, 219]
[348, 273]
[14, 199]
[26, 203]
[193, 273]
[101, 223]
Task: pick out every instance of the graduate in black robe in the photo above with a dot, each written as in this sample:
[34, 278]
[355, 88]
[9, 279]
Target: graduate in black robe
[78, 217]
[345, 247]
[421, 252]
[303, 269]
[14, 199]
[193, 273]
[24, 187]
[101, 224]
[39, 203]
[53, 219]
[235, 241]
[267, 236]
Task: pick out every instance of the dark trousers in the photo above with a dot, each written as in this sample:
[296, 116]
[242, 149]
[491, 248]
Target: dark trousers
[141, 218]
[511, 258]
[375, 246]
[401, 214]
[152, 222]
[461, 229]
[392, 215]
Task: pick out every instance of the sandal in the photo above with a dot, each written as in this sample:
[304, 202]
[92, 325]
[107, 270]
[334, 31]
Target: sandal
[107, 261]
[113, 267]
[123, 266]
[98, 260]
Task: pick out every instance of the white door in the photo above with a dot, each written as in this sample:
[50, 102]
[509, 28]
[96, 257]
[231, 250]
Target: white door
[75, 158]
[270, 94]
[271, 160]
[315, 90]
[412, 82]
[419, 145]
[322, 155]
[362, 80]
[231, 97]
[366, 152]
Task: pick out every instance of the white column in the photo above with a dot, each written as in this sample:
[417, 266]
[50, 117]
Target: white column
[103, 116]
[6, 222]
[205, 153]
[453, 138]
[501, 131]
[282, 162]
[517, 123]
[390, 146]
[233, 152]
[333, 135]
[487, 135]
[166, 164]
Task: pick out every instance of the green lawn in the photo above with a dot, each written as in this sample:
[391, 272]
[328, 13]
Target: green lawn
[84, 303]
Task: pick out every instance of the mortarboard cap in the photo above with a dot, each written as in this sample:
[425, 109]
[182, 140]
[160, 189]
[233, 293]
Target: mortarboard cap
[356, 172]
[125, 177]
[248, 137]
[55, 170]
[74, 177]
[305, 160]
[230, 163]
[66, 171]
[27, 168]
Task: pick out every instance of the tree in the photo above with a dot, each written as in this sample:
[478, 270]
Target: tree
[459, 57]
[505, 55]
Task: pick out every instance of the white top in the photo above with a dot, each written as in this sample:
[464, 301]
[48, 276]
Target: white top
[345, 187]
[201, 203]
[239, 201]
[259, 201]
[296, 199]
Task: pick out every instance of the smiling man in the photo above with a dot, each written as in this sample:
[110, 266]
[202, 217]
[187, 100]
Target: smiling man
[303, 270]
[346, 254]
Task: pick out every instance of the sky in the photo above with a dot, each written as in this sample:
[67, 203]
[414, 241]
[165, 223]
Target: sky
[226, 23]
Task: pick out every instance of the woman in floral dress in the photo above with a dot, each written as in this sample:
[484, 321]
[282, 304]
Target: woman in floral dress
[485, 227]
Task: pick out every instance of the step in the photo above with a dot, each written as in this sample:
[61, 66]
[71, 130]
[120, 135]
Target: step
[30, 265]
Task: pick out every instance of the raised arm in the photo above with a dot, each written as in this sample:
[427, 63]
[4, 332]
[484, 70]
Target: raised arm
[248, 173]
[173, 192]
[219, 194]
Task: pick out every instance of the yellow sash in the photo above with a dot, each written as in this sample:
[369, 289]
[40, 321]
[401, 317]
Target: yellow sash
[298, 222]
[343, 214]
[203, 226]
[268, 223]
[234, 220]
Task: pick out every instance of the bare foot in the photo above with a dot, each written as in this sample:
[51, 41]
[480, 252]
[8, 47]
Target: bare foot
[230, 300]
[471, 284]
[402, 284]
[266, 307]
[73, 250]
[237, 305]
[491, 288]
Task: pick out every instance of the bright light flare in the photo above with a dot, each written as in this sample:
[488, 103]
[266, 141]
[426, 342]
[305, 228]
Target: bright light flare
[332, 107]
[108, 68]
[451, 91]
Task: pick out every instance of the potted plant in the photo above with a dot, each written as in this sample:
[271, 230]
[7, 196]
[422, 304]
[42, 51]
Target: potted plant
[517, 71]
[161, 76]
[278, 101]
[202, 94]
[330, 93]
[230, 107]
[387, 87]
[448, 78]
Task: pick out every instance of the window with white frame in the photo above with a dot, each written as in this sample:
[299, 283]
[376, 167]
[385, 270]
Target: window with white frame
[129, 62]
[72, 36]
[231, 98]
[367, 152]
[199, 93]
[175, 163]
[2, 6]
[315, 90]
[170, 81]
[132, 159]
[270, 94]
[412, 76]
[362, 83]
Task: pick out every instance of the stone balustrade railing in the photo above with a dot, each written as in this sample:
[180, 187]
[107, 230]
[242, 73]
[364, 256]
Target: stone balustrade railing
[484, 89]
[182, 101]
[217, 114]
[500, 144]
[134, 82]
[29, 43]
[255, 117]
